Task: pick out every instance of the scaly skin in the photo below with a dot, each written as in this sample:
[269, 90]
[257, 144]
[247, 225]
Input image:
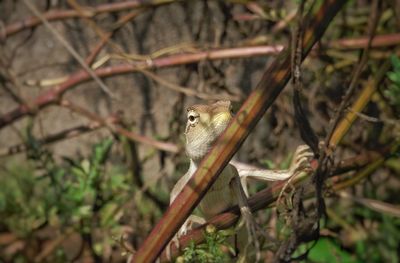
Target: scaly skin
[204, 124]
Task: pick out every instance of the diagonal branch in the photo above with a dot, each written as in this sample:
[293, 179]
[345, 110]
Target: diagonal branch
[165, 146]
[53, 95]
[54, 15]
[62, 135]
[69, 48]
[271, 84]
[266, 197]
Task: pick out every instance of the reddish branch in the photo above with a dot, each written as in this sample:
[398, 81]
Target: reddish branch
[90, 12]
[54, 95]
[59, 136]
[260, 99]
[54, 15]
[105, 37]
[268, 196]
[165, 146]
[361, 42]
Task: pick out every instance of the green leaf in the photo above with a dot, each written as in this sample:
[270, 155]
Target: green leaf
[326, 251]
[395, 62]
[101, 151]
[394, 76]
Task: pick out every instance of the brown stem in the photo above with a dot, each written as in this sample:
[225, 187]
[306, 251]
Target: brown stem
[261, 98]
[266, 198]
[362, 42]
[107, 36]
[54, 15]
[69, 48]
[53, 95]
[355, 77]
[165, 146]
[65, 134]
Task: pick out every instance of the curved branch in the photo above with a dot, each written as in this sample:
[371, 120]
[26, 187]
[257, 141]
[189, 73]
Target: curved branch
[268, 196]
[54, 15]
[53, 95]
[261, 98]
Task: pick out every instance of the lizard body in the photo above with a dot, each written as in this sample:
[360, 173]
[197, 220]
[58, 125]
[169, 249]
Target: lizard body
[204, 124]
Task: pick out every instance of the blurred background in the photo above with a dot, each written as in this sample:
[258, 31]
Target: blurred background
[87, 163]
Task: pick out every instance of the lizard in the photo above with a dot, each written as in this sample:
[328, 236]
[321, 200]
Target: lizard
[204, 124]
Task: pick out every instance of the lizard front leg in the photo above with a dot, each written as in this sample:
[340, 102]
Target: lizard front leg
[191, 222]
[300, 161]
[248, 218]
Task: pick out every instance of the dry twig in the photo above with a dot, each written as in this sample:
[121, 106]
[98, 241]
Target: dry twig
[69, 48]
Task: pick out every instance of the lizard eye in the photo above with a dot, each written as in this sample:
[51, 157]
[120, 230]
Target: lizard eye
[192, 117]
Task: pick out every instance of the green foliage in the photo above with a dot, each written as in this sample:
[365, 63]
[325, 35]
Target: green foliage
[21, 205]
[210, 250]
[393, 92]
[76, 193]
[328, 251]
[376, 244]
[381, 244]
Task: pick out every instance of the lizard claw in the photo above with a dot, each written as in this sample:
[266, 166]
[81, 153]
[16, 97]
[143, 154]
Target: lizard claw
[301, 159]
[253, 233]
[192, 221]
[175, 241]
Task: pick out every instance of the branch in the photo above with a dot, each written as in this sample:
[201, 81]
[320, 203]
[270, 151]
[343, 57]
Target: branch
[54, 15]
[355, 77]
[69, 48]
[63, 135]
[362, 42]
[188, 91]
[266, 198]
[104, 36]
[165, 146]
[53, 95]
[262, 97]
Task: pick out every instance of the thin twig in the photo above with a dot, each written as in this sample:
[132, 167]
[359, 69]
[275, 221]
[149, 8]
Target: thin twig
[165, 146]
[356, 76]
[359, 104]
[362, 42]
[8, 73]
[268, 196]
[375, 205]
[187, 91]
[89, 11]
[260, 99]
[59, 136]
[53, 95]
[325, 160]
[69, 48]
[104, 36]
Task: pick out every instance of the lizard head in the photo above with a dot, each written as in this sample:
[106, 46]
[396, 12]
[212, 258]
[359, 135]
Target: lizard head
[204, 124]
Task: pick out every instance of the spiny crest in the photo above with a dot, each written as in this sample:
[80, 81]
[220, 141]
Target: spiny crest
[215, 108]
